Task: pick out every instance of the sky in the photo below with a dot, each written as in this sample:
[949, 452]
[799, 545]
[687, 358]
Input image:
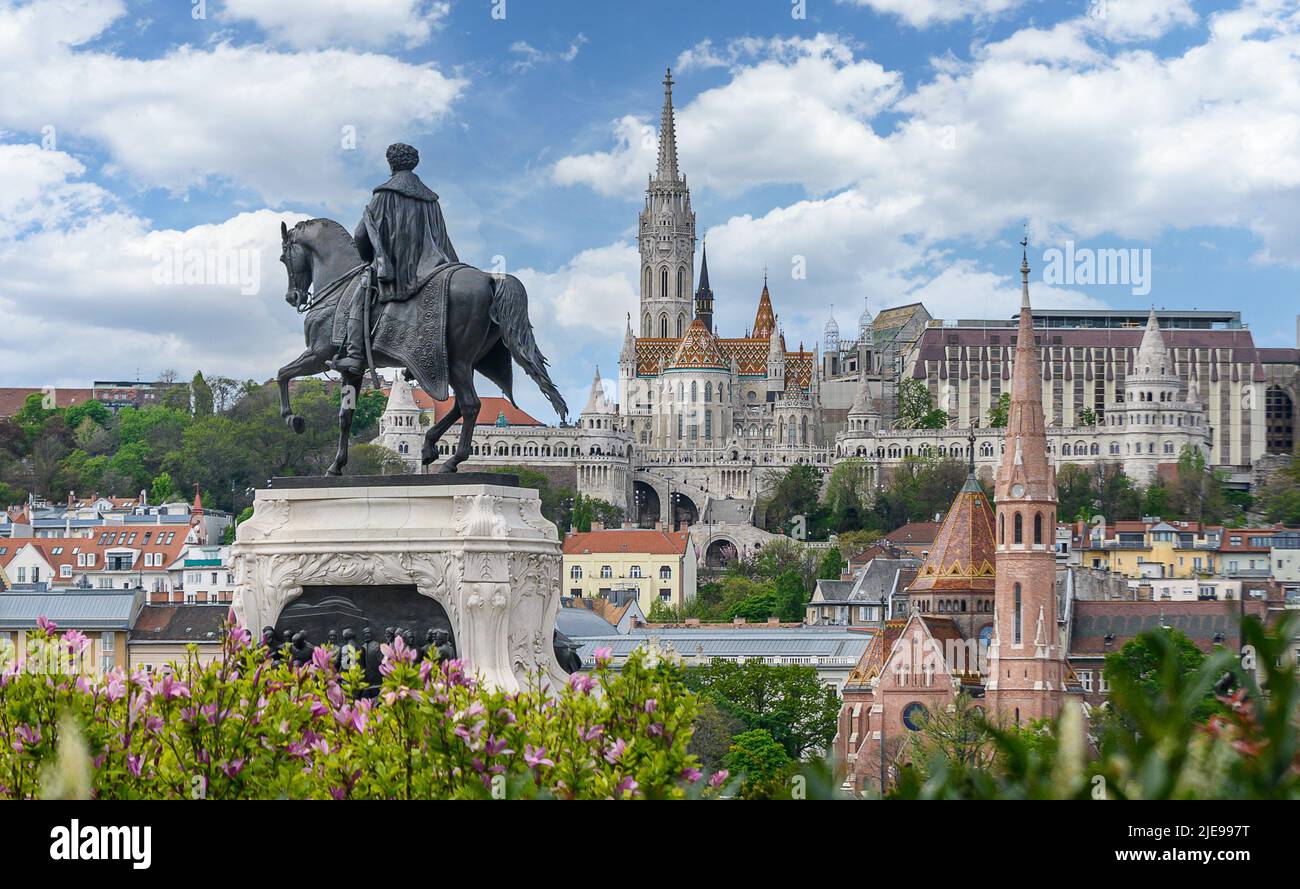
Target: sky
[865, 152]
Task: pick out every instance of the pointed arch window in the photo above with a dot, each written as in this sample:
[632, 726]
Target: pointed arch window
[1038, 529]
[1019, 530]
[663, 283]
[681, 282]
[1015, 615]
[681, 325]
[663, 327]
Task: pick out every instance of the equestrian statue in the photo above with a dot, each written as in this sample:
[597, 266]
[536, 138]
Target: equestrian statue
[394, 294]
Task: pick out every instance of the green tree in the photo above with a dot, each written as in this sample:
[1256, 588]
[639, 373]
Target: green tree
[831, 565]
[997, 414]
[916, 408]
[918, 489]
[791, 597]
[848, 495]
[162, 490]
[787, 700]
[1088, 417]
[202, 395]
[761, 763]
[714, 730]
[796, 491]
[1142, 662]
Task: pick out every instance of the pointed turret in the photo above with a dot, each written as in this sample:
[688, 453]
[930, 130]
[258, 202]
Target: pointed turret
[831, 333]
[704, 293]
[1153, 354]
[627, 357]
[864, 322]
[666, 238]
[597, 402]
[765, 318]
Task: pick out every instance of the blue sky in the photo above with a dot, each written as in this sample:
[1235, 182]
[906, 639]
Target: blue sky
[896, 149]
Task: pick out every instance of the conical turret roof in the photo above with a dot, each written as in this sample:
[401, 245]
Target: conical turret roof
[597, 402]
[765, 319]
[962, 557]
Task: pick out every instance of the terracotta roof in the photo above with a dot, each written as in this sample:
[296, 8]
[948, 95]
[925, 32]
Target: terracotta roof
[962, 555]
[105, 538]
[634, 540]
[493, 405]
[12, 397]
[872, 661]
[913, 534]
[1093, 620]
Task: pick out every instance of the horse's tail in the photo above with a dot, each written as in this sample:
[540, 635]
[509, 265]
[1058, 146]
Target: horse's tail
[510, 313]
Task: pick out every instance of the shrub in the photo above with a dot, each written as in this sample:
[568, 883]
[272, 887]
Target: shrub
[246, 727]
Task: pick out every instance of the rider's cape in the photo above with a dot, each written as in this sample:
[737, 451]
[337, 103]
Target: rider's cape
[404, 234]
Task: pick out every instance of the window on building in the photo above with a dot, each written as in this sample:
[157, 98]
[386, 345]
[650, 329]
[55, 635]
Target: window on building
[575, 572]
[665, 572]
[635, 572]
[1016, 623]
[1018, 533]
[1038, 529]
[107, 647]
[606, 572]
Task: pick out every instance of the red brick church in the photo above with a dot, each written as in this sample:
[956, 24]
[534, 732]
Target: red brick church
[982, 611]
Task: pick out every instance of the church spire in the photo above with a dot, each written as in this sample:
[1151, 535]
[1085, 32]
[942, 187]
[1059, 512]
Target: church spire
[704, 293]
[666, 169]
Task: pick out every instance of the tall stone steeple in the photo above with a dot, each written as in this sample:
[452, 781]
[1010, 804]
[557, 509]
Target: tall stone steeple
[666, 238]
[1026, 667]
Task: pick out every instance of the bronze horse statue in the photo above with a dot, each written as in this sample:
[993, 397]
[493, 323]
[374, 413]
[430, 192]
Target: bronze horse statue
[487, 326]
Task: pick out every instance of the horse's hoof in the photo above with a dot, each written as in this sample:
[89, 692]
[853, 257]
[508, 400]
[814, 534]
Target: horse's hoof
[445, 467]
[334, 470]
[297, 424]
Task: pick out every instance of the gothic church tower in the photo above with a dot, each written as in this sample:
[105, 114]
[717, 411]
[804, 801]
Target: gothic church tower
[666, 236]
[1026, 667]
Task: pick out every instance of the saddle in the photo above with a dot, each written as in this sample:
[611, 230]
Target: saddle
[412, 332]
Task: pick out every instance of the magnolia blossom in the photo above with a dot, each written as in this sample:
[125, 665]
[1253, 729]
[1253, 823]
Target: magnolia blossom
[46, 624]
[603, 655]
[536, 756]
[397, 653]
[627, 787]
[76, 641]
[321, 658]
[169, 688]
[615, 750]
[718, 778]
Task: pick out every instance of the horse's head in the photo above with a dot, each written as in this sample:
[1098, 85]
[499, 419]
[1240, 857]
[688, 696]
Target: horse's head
[297, 263]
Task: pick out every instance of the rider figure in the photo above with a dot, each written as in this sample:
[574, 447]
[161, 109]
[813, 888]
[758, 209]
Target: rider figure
[403, 235]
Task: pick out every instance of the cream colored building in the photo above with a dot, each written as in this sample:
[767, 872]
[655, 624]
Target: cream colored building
[658, 565]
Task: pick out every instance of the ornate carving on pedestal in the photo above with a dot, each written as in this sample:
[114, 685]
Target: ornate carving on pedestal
[489, 559]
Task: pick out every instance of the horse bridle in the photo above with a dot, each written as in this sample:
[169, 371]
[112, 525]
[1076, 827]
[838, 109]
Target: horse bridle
[321, 295]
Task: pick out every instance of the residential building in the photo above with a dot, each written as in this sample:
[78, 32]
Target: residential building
[655, 565]
[104, 617]
[163, 635]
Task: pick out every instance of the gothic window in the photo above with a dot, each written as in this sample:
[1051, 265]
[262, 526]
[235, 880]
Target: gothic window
[803, 431]
[680, 424]
[708, 424]
[708, 392]
[1016, 615]
[663, 283]
[1019, 530]
[694, 392]
[646, 325]
[1002, 529]
[663, 327]
[647, 289]
[681, 393]
[681, 282]
[1038, 529]
[681, 325]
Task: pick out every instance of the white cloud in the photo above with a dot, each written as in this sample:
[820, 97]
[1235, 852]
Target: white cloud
[86, 296]
[1140, 19]
[800, 114]
[267, 121]
[964, 290]
[530, 56]
[316, 23]
[923, 13]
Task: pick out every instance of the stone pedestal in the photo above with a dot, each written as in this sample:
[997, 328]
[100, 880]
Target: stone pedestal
[475, 543]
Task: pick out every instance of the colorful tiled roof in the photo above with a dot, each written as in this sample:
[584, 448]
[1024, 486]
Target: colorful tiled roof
[765, 319]
[698, 350]
[750, 355]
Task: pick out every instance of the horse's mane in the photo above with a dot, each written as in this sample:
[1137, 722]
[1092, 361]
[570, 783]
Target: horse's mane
[325, 224]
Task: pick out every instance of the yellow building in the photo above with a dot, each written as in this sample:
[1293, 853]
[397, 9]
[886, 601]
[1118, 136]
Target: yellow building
[658, 565]
[1159, 550]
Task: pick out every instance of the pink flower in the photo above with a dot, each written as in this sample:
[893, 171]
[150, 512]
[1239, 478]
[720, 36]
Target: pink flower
[46, 624]
[536, 756]
[133, 762]
[627, 787]
[718, 778]
[397, 653]
[321, 659]
[115, 688]
[615, 750]
[169, 689]
[76, 641]
[28, 736]
[233, 768]
[651, 705]
[603, 655]
[582, 683]
[690, 775]
[239, 637]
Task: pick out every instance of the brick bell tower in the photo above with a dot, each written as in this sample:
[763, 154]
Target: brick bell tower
[1026, 667]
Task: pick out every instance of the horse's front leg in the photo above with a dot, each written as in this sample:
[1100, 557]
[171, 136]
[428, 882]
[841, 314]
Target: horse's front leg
[305, 365]
[347, 407]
